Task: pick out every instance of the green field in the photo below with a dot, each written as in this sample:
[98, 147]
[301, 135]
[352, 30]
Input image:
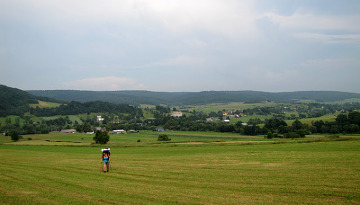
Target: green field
[195, 168]
[147, 138]
[42, 104]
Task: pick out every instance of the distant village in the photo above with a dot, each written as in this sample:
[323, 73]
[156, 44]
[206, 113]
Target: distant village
[227, 115]
[99, 119]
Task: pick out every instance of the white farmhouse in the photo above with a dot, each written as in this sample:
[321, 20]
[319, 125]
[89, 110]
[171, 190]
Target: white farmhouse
[99, 119]
[118, 132]
[176, 114]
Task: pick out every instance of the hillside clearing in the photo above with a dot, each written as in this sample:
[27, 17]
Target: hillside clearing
[43, 104]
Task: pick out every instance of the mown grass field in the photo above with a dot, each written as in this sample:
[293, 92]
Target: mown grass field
[42, 104]
[147, 138]
[215, 172]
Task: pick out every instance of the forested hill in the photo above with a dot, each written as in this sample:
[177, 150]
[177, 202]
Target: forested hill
[193, 98]
[14, 101]
[17, 102]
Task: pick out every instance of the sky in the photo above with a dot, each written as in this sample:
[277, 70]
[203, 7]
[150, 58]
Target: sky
[180, 45]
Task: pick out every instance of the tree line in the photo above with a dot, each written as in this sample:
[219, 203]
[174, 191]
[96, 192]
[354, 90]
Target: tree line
[344, 123]
[193, 98]
[122, 116]
[74, 108]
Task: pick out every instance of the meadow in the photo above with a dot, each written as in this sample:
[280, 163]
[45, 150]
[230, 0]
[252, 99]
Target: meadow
[195, 168]
[43, 104]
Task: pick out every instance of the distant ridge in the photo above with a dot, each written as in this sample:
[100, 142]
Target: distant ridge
[135, 97]
[14, 101]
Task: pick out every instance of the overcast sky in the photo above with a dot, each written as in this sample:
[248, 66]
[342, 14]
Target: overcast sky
[183, 45]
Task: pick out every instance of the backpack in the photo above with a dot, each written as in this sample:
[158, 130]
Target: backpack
[107, 151]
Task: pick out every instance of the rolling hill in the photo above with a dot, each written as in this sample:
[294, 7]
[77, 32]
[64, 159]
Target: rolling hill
[14, 101]
[193, 98]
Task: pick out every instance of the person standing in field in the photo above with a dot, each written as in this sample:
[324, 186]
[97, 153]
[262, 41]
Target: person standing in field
[105, 159]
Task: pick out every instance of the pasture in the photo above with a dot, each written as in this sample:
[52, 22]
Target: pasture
[42, 104]
[221, 169]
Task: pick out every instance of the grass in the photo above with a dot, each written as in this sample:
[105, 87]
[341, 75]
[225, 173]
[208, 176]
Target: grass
[149, 138]
[13, 120]
[290, 173]
[328, 118]
[43, 104]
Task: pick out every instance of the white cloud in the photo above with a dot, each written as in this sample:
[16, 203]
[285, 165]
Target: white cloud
[326, 29]
[199, 42]
[264, 78]
[301, 20]
[330, 38]
[105, 83]
[225, 17]
[177, 61]
[331, 64]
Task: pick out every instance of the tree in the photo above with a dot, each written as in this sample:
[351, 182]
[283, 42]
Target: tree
[15, 136]
[108, 127]
[319, 124]
[353, 128]
[17, 121]
[101, 137]
[8, 121]
[334, 129]
[354, 118]
[297, 125]
[342, 119]
[87, 127]
[274, 124]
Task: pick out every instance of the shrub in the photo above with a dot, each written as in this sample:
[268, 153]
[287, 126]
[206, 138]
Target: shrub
[291, 135]
[138, 140]
[44, 131]
[276, 135]
[269, 135]
[333, 136]
[301, 133]
[163, 138]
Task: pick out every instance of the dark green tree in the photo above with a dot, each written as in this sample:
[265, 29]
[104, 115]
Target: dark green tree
[342, 119]
[274, 124]
[87, 127]
[15, 136]
[297, 125]
[101, 137]
[354, 118]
